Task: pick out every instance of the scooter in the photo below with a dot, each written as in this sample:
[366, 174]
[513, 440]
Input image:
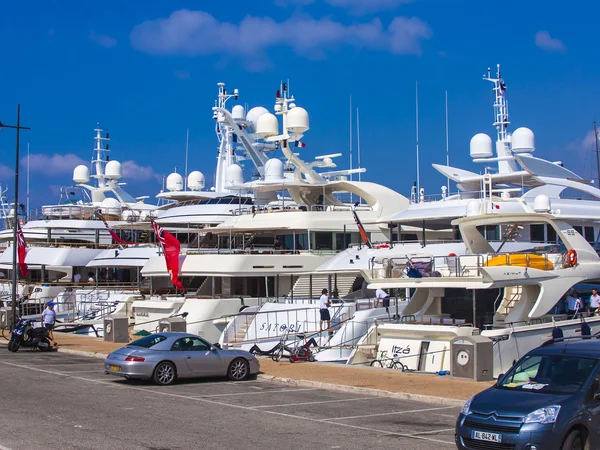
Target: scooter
[24, 335]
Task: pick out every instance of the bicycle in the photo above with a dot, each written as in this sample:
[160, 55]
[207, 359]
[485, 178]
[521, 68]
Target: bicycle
[6, 332]
[389, 363]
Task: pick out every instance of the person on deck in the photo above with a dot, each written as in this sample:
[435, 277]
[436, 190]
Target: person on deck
[594, 303]
[381, 295]
[573, 303]
[323, 309]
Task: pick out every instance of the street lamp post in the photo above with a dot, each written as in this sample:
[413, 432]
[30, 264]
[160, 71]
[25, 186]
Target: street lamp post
[18, 127]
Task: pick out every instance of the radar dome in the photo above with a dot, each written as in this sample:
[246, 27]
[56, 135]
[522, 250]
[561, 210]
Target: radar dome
[297, 120]
[473, 208]
[110, 206]
[523, 140]
[541, 204]
[81, 174]
[273, 170]
[267, 126]
[174, 182]
[254, 114]
[238, 112]
[196, 181]
[113, 170]
[481, 146]
[234, 175]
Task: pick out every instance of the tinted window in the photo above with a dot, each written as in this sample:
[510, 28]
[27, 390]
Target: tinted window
[149, 341]
[559, 374]
[537, 232]
[190, 344]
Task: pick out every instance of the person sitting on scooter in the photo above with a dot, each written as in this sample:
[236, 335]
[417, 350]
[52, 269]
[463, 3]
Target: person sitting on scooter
[49, 319]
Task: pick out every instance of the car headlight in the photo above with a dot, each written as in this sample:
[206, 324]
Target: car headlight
[549, 414]
[467, 406]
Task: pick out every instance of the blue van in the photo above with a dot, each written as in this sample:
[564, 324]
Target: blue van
[550, 399]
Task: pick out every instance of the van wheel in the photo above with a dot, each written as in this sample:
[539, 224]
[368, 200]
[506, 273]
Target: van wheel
[576, 440]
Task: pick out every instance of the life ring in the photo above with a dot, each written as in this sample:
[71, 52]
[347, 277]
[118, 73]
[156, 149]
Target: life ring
[571, 258]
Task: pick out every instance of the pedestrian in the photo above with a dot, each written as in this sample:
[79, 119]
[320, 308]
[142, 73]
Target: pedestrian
[594, 303]
[90, 277]
[77, 276]
[48, 320]
[324, 309]
[573, 303]
[381, 295]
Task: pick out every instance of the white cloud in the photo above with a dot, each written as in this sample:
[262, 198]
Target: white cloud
[133, 171]
[6, 172]
[102, 40]
[356, 7]
[546, 42]
[198, 33]
[52, 164]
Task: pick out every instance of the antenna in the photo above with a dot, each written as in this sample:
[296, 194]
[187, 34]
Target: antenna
[447, 146]
[27, 181]
[351, 196]
[187, 142]
[358, 141]
[417, 135]
[597, 150]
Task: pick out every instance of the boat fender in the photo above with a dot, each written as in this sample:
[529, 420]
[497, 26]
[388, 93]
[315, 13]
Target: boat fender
[571, 258]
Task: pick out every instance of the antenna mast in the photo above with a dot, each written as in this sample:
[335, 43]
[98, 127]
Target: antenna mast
[597, 150]
[98, 159]
[358, 140]
[187, 143]
[417, 135]
[447, 145]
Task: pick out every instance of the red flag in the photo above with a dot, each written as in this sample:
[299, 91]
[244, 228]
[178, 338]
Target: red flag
[170, 247]
[361, 230]
[21, 251]
[114, 235]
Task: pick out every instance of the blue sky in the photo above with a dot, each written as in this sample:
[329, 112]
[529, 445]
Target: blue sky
[147, 70]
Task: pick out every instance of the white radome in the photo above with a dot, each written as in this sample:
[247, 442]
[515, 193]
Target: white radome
[473, 208]
[267, 125]
[234, 175]
[238, 113]
[523, 140]
[81, 174]
[273, 170]
[541, 204]
[174, 182]
[297, 120]
[113, 170]
[481, 146]
[254, 114]
[196, 181]
[110, 206]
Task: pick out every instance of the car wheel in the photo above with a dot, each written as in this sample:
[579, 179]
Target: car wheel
[164, 374]
[238, 370]
[576, 440]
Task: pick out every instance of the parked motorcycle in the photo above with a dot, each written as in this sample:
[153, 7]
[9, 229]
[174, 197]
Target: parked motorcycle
[25, 335]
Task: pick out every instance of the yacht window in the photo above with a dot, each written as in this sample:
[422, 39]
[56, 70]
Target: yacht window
[490, 232]
[578, 229]
[537, 232]
[589, 234]
[323, 240]
[551, 234]
[342, 241]
[404, 237]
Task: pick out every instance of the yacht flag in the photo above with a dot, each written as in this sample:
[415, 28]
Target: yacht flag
[170, 247]
[112, 233]
[361, 229]
[21, 251]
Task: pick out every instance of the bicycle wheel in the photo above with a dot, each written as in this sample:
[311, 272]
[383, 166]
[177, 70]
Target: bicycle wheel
[377, 363]
[399, 365]
[6, 333]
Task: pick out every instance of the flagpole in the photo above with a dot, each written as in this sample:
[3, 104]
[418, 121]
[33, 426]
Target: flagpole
[28, 181]
[417, 136]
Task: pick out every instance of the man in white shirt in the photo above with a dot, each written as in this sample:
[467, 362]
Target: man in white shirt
[77, 276]
[594, 303]
[323, 309]
[573, 303]
[48, 319]
[381, 295]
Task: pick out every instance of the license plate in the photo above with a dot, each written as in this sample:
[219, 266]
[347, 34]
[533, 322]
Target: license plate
[483, 436]
[114, 368]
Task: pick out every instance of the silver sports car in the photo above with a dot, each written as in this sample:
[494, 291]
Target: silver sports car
[166, 357]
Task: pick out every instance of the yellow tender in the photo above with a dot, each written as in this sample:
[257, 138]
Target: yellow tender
[522, 260]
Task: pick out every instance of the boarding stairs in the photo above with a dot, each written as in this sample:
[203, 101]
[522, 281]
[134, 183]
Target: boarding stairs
[301, 289]
[512, 295]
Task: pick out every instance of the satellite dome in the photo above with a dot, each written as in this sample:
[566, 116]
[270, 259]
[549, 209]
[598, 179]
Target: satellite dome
[297, 120]
[234, 175]
[174, 182]
[541, 204]
[523, 140]
[196, 181]
[110, 206]
[481, 146]
[81, 174]
[273, 170]
[254, 114]
[267, 125]
[473, 208]
[238, 112]
[113, 170]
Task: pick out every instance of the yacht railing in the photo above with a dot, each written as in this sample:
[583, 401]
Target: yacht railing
[461, 266]
[257, 250]
[298, 208]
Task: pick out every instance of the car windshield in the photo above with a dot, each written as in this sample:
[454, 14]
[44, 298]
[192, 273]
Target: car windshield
[149, 341]
[554, 374]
